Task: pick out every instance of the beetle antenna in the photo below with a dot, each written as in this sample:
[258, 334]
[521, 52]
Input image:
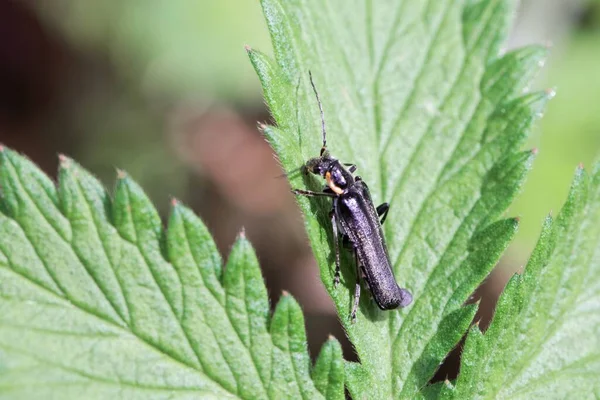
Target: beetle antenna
[322, 114]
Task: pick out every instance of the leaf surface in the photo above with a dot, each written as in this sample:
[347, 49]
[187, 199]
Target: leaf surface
[98, 301]
[418, 97]
[544, 341]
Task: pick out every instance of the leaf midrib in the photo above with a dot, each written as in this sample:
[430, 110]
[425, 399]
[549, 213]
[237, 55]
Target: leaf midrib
[126, 319]
[248, 323]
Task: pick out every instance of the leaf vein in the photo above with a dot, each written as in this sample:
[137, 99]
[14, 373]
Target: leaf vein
[84, 374]
[231, 325]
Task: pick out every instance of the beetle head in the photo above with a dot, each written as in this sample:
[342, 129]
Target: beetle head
[319, 165]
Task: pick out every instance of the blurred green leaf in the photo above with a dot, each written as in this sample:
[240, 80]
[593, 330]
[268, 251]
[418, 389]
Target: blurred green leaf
[98, 302]
[568, 134]
[544, 341]
[185, 48]
[416, 95]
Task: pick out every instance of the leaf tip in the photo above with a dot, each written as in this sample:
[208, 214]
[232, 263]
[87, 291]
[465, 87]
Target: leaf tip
[534, 151]
[515, 222]
[285, 294]
[332, 340]
[247, 48]
[64, 162]
[175, 203]
[550, 93]
[242, 234]
[121, 174]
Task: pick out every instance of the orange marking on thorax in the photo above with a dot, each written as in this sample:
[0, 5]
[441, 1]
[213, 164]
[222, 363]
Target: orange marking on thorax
[332, 186]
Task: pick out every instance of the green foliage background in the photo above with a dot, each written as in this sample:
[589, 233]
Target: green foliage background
[98, 300]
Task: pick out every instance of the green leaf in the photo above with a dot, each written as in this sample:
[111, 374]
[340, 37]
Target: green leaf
[416, 95]
[544, 341]
[329, 370]
[97, 301]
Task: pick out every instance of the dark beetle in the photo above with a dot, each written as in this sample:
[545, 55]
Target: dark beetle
[355, 218]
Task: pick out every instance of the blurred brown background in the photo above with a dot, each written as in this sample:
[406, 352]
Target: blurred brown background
[164, 91]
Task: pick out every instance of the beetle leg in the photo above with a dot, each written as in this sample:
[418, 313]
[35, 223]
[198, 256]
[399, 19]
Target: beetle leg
[310, 193]
[351, 167]
[382, 211]
[356, 290]
[336, 246]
